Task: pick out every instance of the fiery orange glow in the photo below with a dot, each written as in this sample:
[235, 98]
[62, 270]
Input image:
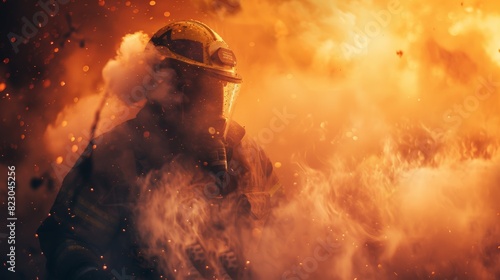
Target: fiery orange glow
[389, 157]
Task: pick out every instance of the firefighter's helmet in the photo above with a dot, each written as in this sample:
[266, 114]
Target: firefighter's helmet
[196, 44]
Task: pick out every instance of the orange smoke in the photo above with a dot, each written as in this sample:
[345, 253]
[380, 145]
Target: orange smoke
[390, 159]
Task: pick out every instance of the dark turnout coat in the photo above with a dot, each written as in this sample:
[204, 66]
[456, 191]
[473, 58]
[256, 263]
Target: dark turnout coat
[91, 224]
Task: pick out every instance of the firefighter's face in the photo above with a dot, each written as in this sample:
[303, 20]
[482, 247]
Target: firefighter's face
[207, 100]
[203, 97]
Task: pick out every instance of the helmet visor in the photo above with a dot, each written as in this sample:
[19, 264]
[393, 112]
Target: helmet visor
[231, 92]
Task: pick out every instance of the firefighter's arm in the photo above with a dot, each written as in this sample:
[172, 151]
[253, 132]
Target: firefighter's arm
[81, 225]
[68, 258]
[262, 190]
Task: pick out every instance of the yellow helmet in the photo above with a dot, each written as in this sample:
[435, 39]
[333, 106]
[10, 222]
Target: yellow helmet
[196, 44]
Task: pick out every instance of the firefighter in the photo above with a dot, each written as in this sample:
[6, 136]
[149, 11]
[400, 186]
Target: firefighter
[90, 228]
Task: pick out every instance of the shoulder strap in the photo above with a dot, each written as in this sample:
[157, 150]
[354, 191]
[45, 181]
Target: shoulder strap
[235, 133]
